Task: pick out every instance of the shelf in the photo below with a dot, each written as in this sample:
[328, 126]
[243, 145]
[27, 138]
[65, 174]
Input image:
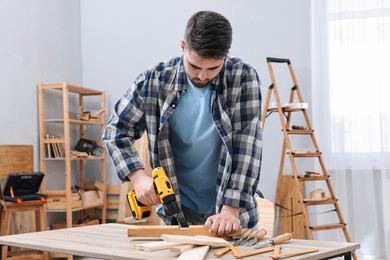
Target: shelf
[326, 201]
[313, 178]
[327, 227]
[299, 132]
[306, 154]
[75, 121]
[287, 109]
[67, 126]
[73, 89]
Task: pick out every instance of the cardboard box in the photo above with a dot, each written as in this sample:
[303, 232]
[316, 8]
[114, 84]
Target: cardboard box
[58, 201]
[92, 198]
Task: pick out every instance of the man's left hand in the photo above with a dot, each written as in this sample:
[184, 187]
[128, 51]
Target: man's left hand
[224, 223]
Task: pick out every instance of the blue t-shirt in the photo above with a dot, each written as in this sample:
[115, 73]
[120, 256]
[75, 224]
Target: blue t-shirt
[196, 147]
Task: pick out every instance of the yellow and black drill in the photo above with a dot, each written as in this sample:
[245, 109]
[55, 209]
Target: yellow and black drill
[166, 194]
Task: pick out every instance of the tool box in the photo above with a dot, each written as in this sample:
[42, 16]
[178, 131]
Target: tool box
[21, 187]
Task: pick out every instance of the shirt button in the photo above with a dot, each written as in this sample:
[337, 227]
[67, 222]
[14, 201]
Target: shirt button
[173, 105]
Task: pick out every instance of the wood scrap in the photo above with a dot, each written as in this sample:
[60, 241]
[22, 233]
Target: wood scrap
[222, 251]
[154, 246]
[196, 240]
[256, 252]
[180, 248]
[196, 253]
[234, 251]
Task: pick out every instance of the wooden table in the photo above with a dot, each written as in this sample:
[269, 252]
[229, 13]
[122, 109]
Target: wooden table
[110, 241]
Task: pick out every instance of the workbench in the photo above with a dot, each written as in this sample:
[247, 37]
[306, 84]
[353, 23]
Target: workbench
[110, 241]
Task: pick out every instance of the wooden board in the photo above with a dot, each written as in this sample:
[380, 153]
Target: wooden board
[289, 219]
[154, 246]
[156, 231]
[180, 248]
[196, 253]
[18, 159]
[196, 240]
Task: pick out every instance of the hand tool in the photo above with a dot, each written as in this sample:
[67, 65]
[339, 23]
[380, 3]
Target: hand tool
[298, 127]
[166, 194]
[310, 174]
[251, 235]
[256, 238]
[242, 238]
[276, 240]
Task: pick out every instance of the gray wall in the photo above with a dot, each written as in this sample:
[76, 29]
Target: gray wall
[39, 43]
[105, 44]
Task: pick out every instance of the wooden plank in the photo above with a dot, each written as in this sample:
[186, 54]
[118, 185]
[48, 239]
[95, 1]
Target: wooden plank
[222, 251]
[289, 219]
[256, 252]
[180, 248]
[156, 231]
[154, 246]
[267, 215]
[16, 158]
[196, 240]
[196, 253]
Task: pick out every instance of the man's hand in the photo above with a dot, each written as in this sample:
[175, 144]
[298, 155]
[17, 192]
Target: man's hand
[224, 223]
[144, 187]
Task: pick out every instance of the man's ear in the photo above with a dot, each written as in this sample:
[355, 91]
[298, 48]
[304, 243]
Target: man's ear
[182, 46]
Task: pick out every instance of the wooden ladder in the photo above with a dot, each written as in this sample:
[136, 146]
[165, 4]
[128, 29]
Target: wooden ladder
[285, 112]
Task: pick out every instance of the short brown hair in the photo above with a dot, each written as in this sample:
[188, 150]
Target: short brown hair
[209, 34]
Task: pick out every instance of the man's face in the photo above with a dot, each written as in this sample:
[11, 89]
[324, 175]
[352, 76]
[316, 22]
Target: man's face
[199, 70]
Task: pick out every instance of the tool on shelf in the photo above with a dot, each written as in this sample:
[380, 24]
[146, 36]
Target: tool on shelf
[166, 194]
[298, 127]
[275, 241]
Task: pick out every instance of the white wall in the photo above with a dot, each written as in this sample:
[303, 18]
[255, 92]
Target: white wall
[122, 38]
[39, 43]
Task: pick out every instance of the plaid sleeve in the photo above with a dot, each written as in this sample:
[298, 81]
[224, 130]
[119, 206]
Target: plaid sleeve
[247, 143]
[126, 124]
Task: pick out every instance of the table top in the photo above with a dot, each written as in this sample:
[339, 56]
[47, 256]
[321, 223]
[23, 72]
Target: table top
[110, 241]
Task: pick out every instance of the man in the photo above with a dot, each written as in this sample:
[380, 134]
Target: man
[202, 114]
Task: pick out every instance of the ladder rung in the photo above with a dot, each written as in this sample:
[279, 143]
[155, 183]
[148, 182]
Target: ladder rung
[317, 154]
[327, 227]
[319, 202]
[299, 132]
[286, 109]
[313, 178]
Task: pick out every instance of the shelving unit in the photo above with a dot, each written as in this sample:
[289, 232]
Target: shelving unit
[290, 198]
[60, 109]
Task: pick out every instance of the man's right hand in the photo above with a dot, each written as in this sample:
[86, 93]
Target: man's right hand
[144, 187]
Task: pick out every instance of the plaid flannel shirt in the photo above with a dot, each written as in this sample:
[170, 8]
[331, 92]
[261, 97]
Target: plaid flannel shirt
[236, 109]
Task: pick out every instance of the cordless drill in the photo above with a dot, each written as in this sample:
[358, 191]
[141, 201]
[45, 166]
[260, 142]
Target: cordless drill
[164, 191]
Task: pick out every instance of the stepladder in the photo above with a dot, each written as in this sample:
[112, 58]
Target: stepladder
[303, 184]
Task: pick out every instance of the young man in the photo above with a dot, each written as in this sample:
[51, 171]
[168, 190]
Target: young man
[201, 113]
